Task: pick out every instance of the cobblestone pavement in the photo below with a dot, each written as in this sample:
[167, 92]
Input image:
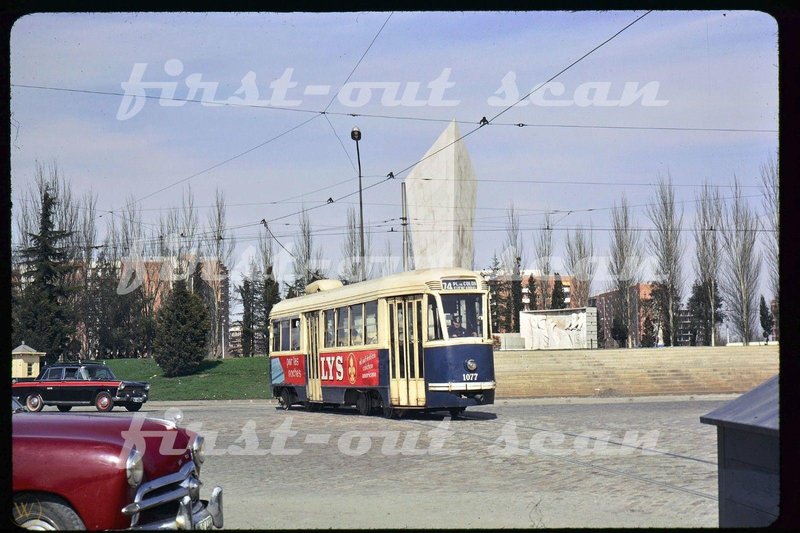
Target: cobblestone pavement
[643, 462]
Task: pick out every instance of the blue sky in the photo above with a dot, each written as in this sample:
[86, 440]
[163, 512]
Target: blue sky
[713, 70]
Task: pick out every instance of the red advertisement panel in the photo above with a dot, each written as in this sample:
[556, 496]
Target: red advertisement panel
[359, 369]
[294, 369]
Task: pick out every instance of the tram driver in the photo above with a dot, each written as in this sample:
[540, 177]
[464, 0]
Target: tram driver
[455, 329]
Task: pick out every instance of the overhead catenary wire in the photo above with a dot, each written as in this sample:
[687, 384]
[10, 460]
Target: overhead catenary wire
[459, 121]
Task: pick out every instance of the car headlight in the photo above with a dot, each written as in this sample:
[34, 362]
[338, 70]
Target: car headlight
[147, 387]
[199, 450]
[121, 386]
[134, 468]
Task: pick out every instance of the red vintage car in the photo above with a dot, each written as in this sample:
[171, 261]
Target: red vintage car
[94, 472]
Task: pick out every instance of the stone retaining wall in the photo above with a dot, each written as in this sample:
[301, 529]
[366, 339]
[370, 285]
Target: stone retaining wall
[636, 372]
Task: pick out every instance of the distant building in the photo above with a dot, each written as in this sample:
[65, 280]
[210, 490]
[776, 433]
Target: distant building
[607, 304]
[501, 279]
[25, 362]
[683, 319]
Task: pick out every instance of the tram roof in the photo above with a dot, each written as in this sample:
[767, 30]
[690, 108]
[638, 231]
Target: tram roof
[402, 283]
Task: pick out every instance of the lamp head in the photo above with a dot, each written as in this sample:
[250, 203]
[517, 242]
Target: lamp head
[355, 134]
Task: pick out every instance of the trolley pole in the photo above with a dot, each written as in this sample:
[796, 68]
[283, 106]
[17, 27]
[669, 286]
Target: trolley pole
[355, 134]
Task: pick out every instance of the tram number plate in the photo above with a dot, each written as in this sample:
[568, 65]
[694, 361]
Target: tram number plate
[471, 376]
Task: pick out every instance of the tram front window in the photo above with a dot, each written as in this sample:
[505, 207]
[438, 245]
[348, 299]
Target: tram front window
[463, 314]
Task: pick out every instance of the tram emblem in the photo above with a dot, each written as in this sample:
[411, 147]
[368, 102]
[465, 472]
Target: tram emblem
[351, 368]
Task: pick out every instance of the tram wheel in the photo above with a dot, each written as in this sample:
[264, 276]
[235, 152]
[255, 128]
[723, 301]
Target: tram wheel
[285, 399]
[456, 412]
[363, 404]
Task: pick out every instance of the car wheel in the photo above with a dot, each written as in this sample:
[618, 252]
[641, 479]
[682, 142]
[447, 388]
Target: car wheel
[34, 403]
[103, 402]
[43, 512]
[64, 408]
[133, 406]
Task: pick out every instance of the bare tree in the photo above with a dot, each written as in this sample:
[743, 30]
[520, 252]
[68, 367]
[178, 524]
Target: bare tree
[513, 259]
[740, 271]
[580, 266]
[771, 202]
[543, 244]
[219, 248]
[625, 265]
[307, 258]
[665, 245]
[708, 253]
[351, 251]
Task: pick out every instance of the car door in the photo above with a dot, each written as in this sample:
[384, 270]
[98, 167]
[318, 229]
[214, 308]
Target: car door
[50, 384]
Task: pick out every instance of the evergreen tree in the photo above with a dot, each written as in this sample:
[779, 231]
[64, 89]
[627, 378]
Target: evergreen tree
[43, 318]
[700, 311]
[247, 297]
[494, 294]
[648, 334]
[619, 331]
[182, 326]
[532, 292]
[269, 294]
[558, 294]
[767, 320]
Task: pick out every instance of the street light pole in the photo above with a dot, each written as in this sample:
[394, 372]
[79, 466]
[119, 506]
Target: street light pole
[356, 136]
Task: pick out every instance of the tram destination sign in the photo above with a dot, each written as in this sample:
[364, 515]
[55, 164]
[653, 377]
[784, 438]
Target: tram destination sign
[459, 284]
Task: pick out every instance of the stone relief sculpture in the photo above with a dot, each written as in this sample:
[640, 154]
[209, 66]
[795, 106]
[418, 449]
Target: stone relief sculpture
[557, 329]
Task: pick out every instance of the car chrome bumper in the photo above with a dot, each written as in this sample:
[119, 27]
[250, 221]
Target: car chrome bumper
[203, 515]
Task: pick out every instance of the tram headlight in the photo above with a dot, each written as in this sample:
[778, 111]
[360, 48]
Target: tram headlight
[471, 365]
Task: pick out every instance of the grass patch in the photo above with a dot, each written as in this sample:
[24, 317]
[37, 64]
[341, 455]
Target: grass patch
[240, 378]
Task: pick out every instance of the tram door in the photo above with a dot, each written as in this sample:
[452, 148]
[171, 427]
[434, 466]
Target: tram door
[406, 368]
[312, 337]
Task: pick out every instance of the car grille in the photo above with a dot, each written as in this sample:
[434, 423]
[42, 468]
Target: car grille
[158, 499]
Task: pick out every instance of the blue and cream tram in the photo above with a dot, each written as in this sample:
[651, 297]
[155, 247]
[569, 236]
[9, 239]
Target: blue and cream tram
[416, 340]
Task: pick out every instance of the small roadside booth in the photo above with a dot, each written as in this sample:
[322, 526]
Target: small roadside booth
[748, 461]
[25, 362]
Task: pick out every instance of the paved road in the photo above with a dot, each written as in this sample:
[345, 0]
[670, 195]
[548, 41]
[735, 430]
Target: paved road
[645, 462]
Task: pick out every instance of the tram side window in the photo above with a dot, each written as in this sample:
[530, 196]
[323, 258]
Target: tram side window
[371, 322]
[434, 326]
[276, 336]
[294, 336]
[342, 327]
[330, 329]
[284, 335]
[357, 325]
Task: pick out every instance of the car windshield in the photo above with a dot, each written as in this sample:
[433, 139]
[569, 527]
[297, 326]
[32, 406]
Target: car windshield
[463, 314]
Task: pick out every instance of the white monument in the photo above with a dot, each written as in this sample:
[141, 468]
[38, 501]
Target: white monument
[441, 193]
[559, 329]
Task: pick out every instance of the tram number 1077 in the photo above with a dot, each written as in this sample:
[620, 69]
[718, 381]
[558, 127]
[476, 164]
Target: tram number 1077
[472, 376]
